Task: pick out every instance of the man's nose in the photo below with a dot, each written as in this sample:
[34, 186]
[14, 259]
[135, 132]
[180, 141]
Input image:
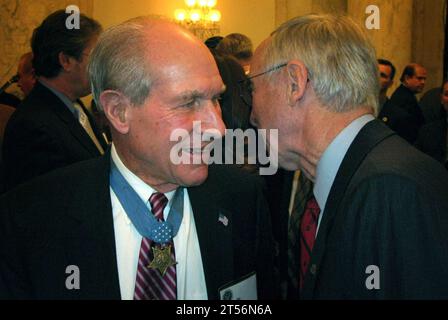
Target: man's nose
[252, 119]
[212, 119]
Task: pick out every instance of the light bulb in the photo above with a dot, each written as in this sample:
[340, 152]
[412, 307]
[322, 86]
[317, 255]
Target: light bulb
[190, 3]
[211, 3]
[215, 15]
[180, 14]
[202, 3]
[195, 15]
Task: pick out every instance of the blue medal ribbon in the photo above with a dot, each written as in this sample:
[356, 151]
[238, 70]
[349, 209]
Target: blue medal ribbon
[142, 218]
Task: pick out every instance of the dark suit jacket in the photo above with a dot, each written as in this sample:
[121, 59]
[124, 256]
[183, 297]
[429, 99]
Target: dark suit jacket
[432, 139]
[44, 135]
[5, 113]
[387, 207]
[430, 104]
[400, 121]
[403, 114]
[405, 99]
[279, 188]
[49, 224]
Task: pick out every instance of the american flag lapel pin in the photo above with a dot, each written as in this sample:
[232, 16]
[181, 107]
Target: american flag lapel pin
[223, 219]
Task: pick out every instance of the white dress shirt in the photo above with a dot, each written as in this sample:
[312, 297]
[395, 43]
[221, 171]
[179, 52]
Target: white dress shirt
[329, 163]
[189, 270]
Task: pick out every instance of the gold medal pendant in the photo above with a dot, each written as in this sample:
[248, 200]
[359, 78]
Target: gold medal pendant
[162, 259]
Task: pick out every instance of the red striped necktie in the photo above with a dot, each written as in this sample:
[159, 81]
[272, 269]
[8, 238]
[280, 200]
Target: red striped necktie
[150, 283]
[308, 227]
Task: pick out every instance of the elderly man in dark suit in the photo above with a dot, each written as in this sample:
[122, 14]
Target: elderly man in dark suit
[135, 224]
[376, 226]
[52, 128]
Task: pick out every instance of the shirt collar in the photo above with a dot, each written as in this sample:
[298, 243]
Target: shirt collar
[331, 160]
[61, 96]
[143, 190]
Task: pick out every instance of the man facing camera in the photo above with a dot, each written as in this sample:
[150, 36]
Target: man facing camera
[376, 226]
[132, 223]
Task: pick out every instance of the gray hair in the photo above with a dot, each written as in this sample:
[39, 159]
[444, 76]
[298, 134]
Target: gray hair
[237, 45]
[340, 59]
[118, 62]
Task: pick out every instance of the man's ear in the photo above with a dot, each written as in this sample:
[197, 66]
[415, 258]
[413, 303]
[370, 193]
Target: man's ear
[33, 75]
[65, 61]
[116, 107]
[297, 80]
[406, 79]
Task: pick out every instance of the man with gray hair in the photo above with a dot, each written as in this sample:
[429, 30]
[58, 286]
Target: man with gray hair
[133, 224]
[376, 225]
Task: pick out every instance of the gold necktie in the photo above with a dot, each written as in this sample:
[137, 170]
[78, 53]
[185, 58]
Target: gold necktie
[84, 121]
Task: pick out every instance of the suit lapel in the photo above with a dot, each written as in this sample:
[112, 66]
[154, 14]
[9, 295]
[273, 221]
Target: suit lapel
[75, 129]
[99, 255]
[63, 113]
[214, 229]
[105, 226]
[370, 135]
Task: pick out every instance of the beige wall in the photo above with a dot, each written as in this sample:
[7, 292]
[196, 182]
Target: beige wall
[111, 12]
[428, 38]
[286, 9]
[255, 18]
[393, 41]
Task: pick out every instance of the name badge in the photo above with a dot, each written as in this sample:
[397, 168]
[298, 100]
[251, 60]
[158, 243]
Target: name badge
[244, 288]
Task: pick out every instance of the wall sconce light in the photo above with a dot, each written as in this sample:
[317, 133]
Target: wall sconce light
[200, 18]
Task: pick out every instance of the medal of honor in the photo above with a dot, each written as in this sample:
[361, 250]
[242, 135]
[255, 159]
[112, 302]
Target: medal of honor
[162, 259]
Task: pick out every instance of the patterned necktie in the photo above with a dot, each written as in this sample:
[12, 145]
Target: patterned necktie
[84, 121]
[303, 193]
[308, 227]
[150, 284]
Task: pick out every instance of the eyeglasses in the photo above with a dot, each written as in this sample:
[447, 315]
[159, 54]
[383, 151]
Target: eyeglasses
[246, 85]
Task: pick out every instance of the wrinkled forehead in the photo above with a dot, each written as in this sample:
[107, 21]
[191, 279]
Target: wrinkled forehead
[188, 67]
[193, 70]
[178, 50]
